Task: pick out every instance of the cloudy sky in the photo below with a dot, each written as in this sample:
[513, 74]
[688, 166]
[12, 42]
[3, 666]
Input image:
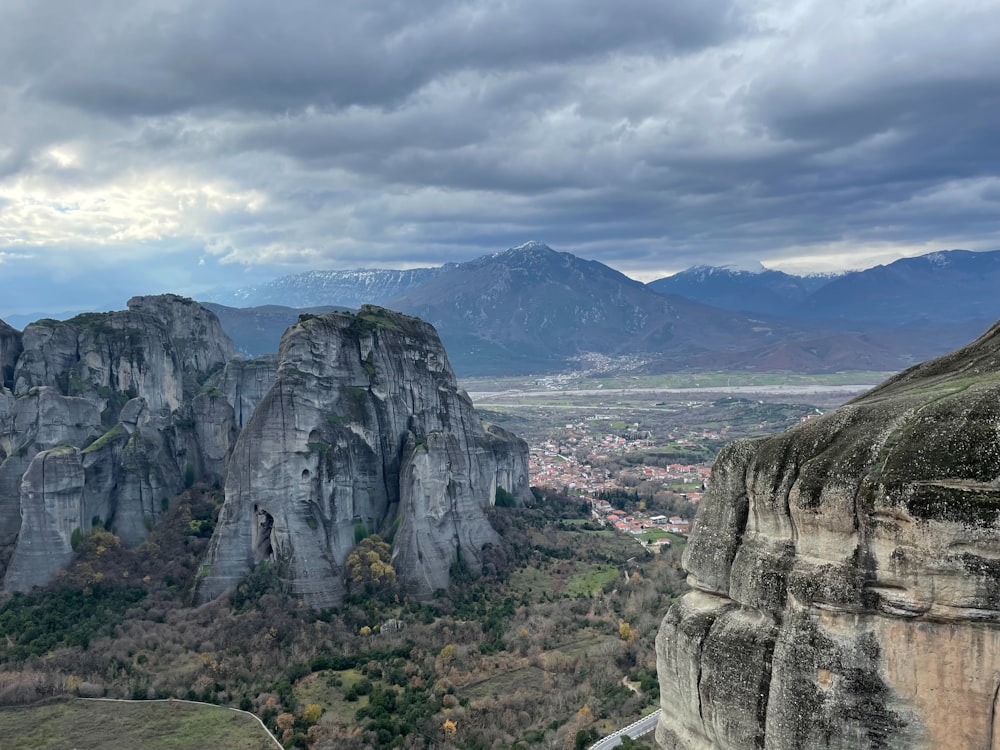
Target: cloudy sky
[180, 146]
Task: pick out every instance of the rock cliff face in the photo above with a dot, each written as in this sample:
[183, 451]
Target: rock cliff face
[52, 501]
[364, 430]
[107, 415]
[846, 577]
[10, 350]
[246, 382]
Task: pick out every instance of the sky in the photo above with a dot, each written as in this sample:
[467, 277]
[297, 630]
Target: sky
[186, 146]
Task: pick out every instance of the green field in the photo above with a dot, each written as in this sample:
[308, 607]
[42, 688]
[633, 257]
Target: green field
[705, 379]
[327, 688]
[589, 581]
[720, 379]
[120, 725]
[651, 535]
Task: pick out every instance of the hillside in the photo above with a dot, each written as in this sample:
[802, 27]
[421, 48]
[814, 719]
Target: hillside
[105, 725]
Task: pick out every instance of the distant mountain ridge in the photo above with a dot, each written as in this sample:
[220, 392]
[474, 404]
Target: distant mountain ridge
[947, 286]
[766, 292]
[533, 309]
[351, 288]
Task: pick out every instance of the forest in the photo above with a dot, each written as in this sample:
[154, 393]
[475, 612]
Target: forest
[549, 644]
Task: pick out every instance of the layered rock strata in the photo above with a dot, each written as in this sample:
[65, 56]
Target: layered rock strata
[363, 430]
[846, 577]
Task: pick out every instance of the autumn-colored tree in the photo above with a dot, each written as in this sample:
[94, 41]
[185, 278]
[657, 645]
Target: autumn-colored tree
[625, 632]
[99, 541]
[311, 713]
[369, 570]
[285, 721]
[450, 728]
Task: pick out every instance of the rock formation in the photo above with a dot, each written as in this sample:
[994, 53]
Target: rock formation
[52, 512]
[10, 350]
[108, 415]
[846, 577]
[364, 430]
[246, 382]
[40, 420]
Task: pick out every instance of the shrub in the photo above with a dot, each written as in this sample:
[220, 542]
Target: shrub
[503, 499]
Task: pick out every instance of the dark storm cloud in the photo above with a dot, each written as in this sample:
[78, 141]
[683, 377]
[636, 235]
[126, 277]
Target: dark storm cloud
[262, 55]
[265, 137]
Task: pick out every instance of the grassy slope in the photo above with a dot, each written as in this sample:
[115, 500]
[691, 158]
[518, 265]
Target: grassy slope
[100, 725]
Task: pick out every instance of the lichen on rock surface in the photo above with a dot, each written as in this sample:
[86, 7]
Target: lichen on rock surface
[846, 577]
[364, 430]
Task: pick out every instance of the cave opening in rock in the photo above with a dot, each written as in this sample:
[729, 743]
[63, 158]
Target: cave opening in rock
[263, 525]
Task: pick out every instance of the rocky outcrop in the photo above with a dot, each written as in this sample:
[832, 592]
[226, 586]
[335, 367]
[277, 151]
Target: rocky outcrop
[145, 352]
[40, 420]
[194, 332]
[364, 430]
[10, 350]
[127, 394]
[52, 512]
[846, 577]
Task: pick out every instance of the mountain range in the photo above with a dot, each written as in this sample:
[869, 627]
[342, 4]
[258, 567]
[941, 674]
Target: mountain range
[764, 291]
[944, 287]
[351, 288]
[532, 309]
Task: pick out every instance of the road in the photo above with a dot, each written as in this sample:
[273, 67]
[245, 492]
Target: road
[635, 730]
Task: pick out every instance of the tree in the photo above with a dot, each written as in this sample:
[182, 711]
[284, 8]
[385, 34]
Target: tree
[503, 498]
[311, 713]
[585, 738]
[369, 570]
